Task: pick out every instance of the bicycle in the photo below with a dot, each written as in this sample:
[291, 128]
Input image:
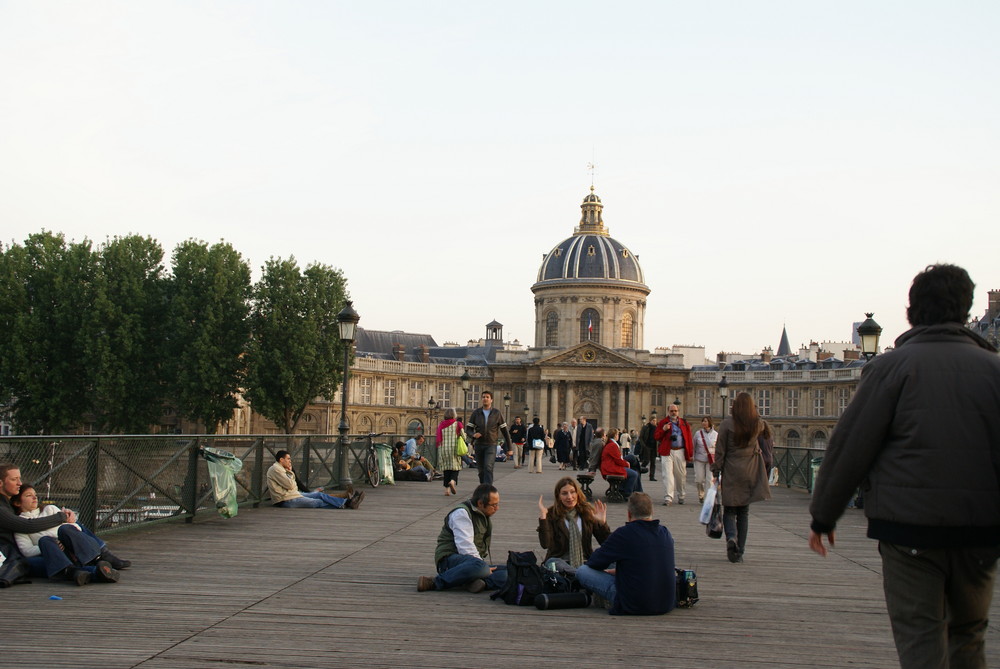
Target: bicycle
[369, 461]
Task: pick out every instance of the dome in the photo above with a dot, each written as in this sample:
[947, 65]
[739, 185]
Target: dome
[591, 254]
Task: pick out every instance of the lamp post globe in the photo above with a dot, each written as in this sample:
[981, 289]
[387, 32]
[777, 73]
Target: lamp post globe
[869, 331]
[466, 382]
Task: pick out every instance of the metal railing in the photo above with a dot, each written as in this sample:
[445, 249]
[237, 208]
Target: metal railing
[117, 482]
[796, 466]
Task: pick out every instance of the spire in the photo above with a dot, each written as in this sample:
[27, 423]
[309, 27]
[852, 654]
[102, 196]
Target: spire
[784, 348]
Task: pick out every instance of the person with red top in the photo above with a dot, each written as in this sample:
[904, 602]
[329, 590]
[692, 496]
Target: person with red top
[613, 464]
[676, 448]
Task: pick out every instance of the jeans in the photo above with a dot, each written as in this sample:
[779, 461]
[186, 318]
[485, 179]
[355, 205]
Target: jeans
[457, 570]
[81, 548]
[314, 500]
[598, 582]
[486, 457]
[633, 482]
[736, 522]
[938, 602]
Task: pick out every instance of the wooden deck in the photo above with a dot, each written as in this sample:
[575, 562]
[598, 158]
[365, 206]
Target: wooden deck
[324, 588]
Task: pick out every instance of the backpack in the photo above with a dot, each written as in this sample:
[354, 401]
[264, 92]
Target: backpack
[526, 580]
[687, 588]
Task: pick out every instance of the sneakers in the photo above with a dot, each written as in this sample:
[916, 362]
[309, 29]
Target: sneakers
[355, 501]
[732, 550]
[105, 573]
[425, 583]
[477, 585]
[680, 501]
[78, 576]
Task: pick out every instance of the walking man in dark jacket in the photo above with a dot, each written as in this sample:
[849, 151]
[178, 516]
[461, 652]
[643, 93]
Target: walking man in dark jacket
[931, 486]
[485, 427]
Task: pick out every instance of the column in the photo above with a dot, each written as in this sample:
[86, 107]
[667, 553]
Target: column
[621, 421]
[543, 405]
[606, 404]
[569, 402]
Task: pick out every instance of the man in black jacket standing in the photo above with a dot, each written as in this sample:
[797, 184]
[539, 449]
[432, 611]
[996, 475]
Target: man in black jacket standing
[931, 485]
[486, 424]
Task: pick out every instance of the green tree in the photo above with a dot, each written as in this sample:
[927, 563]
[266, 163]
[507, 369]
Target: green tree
[46, 293]
[125, 334]
[208, 330]
[295, 350]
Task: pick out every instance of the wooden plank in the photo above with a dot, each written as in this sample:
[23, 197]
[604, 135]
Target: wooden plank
[326, 588]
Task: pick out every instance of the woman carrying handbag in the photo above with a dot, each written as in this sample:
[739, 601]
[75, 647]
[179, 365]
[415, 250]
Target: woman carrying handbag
[739, 463]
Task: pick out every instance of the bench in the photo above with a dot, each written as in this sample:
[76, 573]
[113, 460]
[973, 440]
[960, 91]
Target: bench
[585, 480]
[614, 493]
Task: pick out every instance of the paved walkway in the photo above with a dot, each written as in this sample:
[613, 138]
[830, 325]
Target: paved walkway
[323, 588]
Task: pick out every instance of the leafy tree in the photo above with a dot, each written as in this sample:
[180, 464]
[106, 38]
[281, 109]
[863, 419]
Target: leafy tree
[295, 350]
[125, 335]
[208, 330]
[46, 293]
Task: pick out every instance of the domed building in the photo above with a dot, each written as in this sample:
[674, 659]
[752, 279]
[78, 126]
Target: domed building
[590, 287]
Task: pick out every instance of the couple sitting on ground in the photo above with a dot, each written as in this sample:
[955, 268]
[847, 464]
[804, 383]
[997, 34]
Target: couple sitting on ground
[49, 541]
[287, 489]
[633, 570]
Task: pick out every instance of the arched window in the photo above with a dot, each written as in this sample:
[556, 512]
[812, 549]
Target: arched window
[590, 325]
[793, 439]
[552, 329]
[627, 340]
[388, 425]
[366, 425]
[819, 439]
[415, 427]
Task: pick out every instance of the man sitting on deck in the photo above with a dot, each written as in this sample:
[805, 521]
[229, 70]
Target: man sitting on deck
[287, 490]
[464, 544]
[643, 581]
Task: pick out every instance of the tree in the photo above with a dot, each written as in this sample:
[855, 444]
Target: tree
[125, 335]
[46, 292]
[295, 347]
[208, 330]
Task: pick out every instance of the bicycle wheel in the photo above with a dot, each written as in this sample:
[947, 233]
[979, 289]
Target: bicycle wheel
[371, 468]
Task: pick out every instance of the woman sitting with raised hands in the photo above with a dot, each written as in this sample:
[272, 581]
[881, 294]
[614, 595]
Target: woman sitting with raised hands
[567, 528]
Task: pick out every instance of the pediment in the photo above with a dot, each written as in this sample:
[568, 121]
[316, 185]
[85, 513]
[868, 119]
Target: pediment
[587, 354]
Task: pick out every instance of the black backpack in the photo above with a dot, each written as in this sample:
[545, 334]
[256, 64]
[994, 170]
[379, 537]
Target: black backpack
[687, 588]
[526, 580]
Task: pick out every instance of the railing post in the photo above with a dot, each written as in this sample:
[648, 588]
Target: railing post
[258, 471]
[304, 469]
[191, 482]
[88, 495]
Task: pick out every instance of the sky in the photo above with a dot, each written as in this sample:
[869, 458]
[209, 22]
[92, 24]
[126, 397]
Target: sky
[770, 163]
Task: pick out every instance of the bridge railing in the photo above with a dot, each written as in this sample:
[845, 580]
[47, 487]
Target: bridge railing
[797, 467]
[121, 481]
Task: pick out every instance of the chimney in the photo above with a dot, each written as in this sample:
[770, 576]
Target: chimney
[823, 355]
[398, 352]
[994, 304]
[766, 355]
[425, 353]
[851, 354]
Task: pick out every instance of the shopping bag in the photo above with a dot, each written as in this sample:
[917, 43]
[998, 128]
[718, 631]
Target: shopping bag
[714, 527]
[706, 508]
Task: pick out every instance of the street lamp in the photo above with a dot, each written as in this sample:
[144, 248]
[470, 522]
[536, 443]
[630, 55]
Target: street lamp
[869, 331]
[506, 406]
[724, 394]
[347, 323]
[466, 379]
[432, 406]
[653, 416]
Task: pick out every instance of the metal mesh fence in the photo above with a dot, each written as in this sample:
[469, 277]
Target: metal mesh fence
[116, 482]
[798, 466]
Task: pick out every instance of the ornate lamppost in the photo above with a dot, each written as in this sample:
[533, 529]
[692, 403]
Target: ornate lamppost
[724, 394]
[506, 406]
[869, 331]
[347, 323]
[432, 406]
[466, 380]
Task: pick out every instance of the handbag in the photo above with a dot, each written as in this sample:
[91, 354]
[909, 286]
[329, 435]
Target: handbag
[461, 448]
[714, 527]
[706, 508]
[538, 444]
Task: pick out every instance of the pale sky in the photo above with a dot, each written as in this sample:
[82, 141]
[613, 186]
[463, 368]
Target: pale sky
[769, 162]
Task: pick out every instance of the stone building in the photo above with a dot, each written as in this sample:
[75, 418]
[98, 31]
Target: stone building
[588, 358]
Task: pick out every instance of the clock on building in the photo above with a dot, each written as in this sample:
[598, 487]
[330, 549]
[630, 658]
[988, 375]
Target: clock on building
[589, 355]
